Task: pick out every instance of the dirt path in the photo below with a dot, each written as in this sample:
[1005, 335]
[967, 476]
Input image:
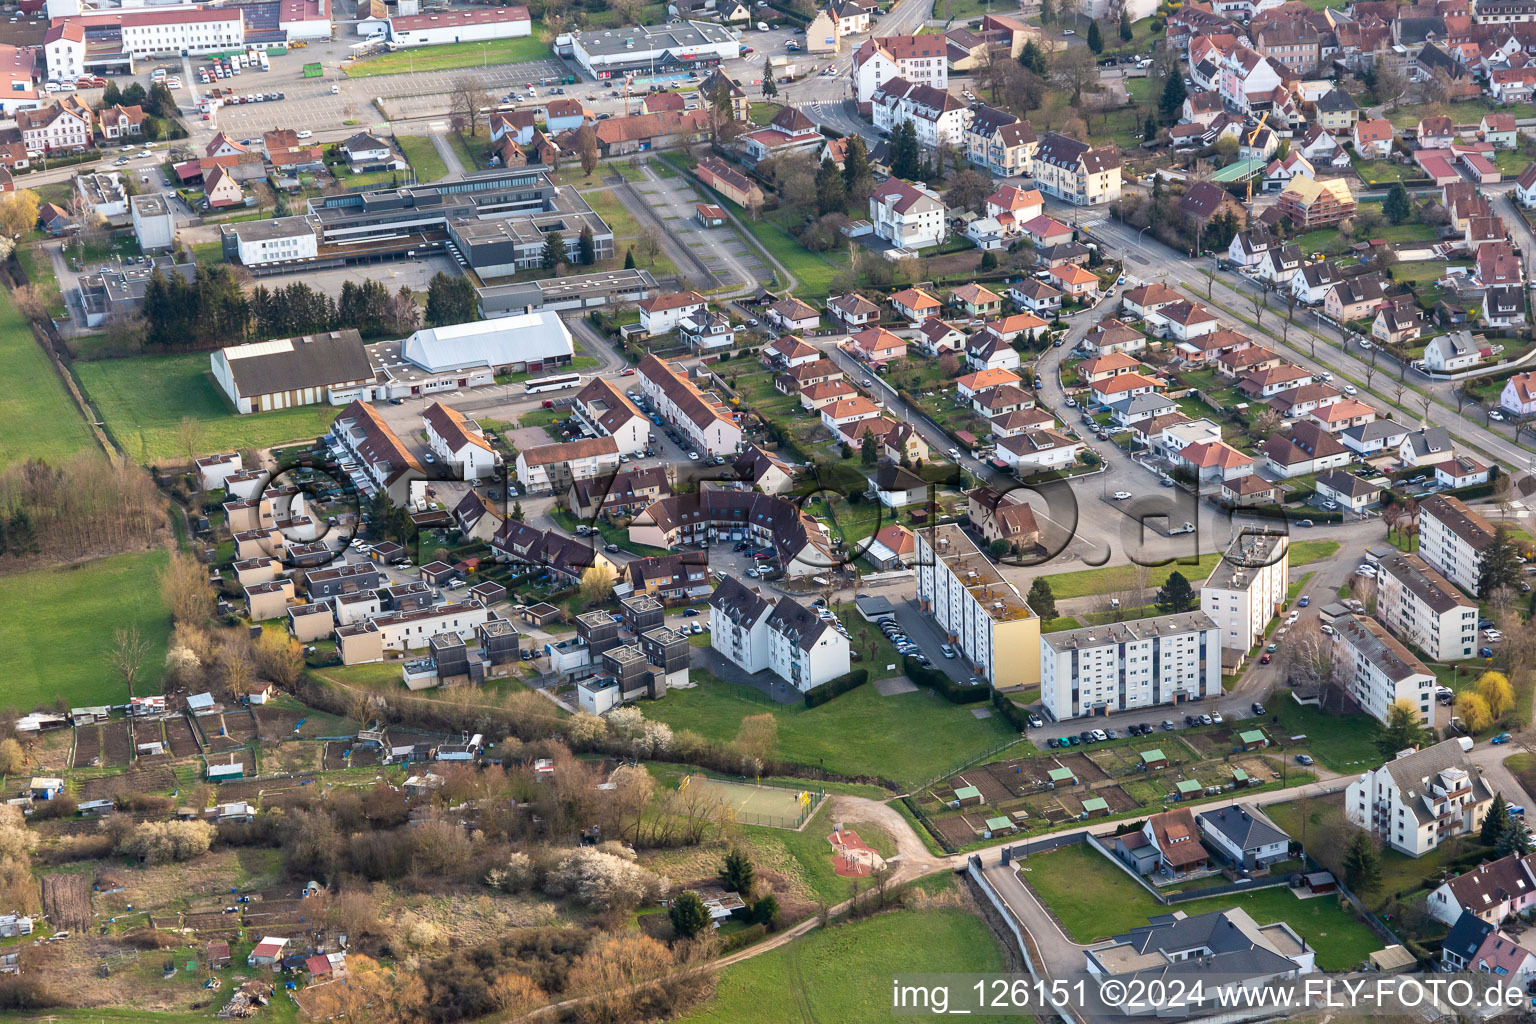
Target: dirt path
[912, 858]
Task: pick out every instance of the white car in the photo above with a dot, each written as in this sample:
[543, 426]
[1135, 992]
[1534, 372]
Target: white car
[1122, 495]
[1350, 389]
[305, 133]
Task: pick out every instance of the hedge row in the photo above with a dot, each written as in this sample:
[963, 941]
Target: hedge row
[1011, 712]
[819, 695]
[955, 693]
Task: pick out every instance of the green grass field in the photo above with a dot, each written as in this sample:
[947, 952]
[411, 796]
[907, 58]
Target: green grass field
[1344, 743]
[1111, 578]
[423, 157]
[144, 399]
[1094, 900]
[908, 738]
[449, 56]
[843, 973]
[56, 628]
[37, 417]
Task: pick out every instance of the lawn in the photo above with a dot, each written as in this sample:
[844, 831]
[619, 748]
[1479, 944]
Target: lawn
[1094, 900]
[1112, 578]
[423, 157]
[37, 418]
[451, 55]
[144, 399]
[618, 218]
[843, 973]
[1373, 171]
[37, 264]
[471, 151]
[908, 738]
[1344, 743]
[57, 626]
[1511, 163]
[761, 113]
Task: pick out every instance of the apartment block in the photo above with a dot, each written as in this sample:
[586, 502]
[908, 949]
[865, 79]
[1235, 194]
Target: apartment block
[1378, 671]
[1420, 799]
[1247, 588]
[1422, 607]
[1452, 538]
[1099, 670]
[983, 614]
[784, 637]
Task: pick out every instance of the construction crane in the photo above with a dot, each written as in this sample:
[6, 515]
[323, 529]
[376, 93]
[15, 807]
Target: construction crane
[1251, 136]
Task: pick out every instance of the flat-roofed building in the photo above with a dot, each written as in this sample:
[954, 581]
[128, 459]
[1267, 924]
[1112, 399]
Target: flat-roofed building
[982, 613]
[1122, 666]
[1247, 588]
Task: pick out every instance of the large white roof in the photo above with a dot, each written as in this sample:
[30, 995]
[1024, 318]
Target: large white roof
[523, 338]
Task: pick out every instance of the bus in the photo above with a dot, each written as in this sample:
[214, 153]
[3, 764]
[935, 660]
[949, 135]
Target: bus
[557, 383]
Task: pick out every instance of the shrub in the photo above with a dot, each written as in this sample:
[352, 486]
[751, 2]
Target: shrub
[744, 938]
[955, 693]
[1011, 712]
[602, 880]
[819, 695]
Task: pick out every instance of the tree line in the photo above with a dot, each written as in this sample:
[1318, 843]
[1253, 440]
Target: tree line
[78, 508]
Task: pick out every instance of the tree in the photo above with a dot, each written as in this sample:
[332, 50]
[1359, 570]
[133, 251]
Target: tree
[647, 246]
[1074, 69]
[869, 450]
[1500, 565]
[1388, 85]
[184, 588]
[111, 96]
[770, 87]
[554, 250]
[968, 190]
[1362, 864]
[596, 584]
[586, 149]
[586, 246]
[1404, 728]
[1095, 38]
[1175, 595]
[18, 212]
[1171, 105]
[280, 657]
[629, 258]
[831, 192]
[999, 547]
[239, 672]
[765, 910]
[134, 95]
[858, 181]
[758, 737]
[1047, 12]
[161, 102]
[1040, 598]
[906, 158]
[129, 650]
[1397, 207]
[1496, 823]
[1473, 711]
[450, 300]
[12, 758]
[688, 915]
[1514, 842]
[736, 873]
[1032, 59]
[1494, 688]
[464, 103]
[1149, 128]
[1125, 26]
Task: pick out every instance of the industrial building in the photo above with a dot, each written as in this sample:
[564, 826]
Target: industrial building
[659, 49]
[447, 26]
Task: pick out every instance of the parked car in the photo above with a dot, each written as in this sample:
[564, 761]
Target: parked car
[1304, 759]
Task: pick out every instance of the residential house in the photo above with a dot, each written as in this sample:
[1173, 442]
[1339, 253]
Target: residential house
[1310, 203]
[1312, 283]
[1451, 352]
[459, 443]
[1075, 282]
[1183, 320]
[1146, 299]
[710, 331]
[1347, 491]
[790, 314]
[999, 516]
[1518, 397]
[937, 117]
[1397, 322]
[1074, 171]
[1243, 836]
[916, 305]
[1499, 129]
[1037, 296]
[1000, 142]
[897, 487]
[907, 216]
[1421, 798]
[977, 300]
[1281, 170]
[1373, 437]
[853, 310]
[936, 337]
[1426, 447]
[1490, 892]
[1035, 450]
[1354, 298]
[877, 345]
[1304, 449]
[661, 314]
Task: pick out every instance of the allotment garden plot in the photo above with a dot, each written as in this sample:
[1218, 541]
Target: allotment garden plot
[1031, 795]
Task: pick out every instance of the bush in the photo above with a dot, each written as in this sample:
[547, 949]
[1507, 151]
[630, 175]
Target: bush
[1011, 712]
[819, 695]
[932, 678]
[742, 939]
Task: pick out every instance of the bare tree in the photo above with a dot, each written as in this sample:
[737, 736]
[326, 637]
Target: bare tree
[239, 670]
[464, 103]
[587, 148]
[128, 652]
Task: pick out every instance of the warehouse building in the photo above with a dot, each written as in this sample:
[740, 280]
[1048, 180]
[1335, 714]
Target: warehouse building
[660, 49]
[289, 372]
[470, 26]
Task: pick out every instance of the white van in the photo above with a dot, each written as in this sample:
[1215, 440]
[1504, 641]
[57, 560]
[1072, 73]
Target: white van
[762, 26]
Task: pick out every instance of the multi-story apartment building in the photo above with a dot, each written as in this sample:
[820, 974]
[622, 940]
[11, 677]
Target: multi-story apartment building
[982, 613]
[1420, 799]
[679, 401]
[459, 443]
[552, 468]
[799, 543]
[1099, 670]
[923, 59]
[907, 215]
[1074, 171]
[383, 461]
[607, 411]
[785, 638]
[53, 128]
[1000, 142]
[1452, 538]
[1247, 588]
[1377, 671]
[938, 118]
[1421, 606]
[1311, 203]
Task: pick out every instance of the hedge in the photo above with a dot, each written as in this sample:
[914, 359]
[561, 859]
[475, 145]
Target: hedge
[819, 695]
[955, 693]
[1011, 712]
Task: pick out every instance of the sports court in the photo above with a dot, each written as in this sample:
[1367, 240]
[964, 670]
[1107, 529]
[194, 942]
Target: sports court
[773, 806]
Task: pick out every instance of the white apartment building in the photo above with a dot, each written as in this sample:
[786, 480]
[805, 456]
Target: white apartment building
[410, 630]
[922, 59]
[938, 118]
[101, 194]
[608, 412]
[1378, 671]
[662, 313]
[552, 468]
[981, 612]
[1452, 538]
[1421, 606]
[1421, 798]
[259, 243]
[154, 224]
[1099, 670]
[381, 462]
[711, 429]
[459, 443]
[784, 638]
[53, 128]
[1247, 588]
[906, 215]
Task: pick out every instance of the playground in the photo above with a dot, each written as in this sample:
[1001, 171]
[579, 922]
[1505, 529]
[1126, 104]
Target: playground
[772, 806]
[850, 857]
